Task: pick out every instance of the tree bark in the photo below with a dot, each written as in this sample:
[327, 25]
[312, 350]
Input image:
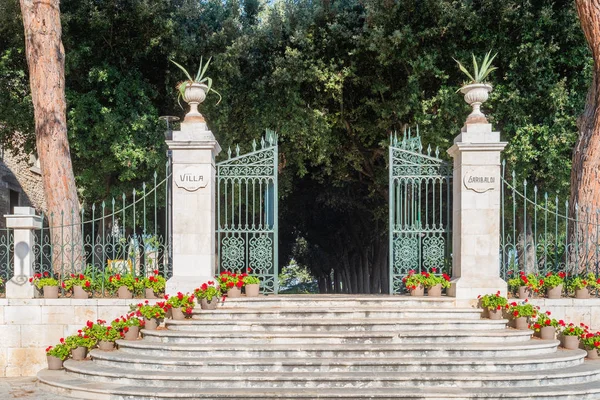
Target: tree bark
[45, 58]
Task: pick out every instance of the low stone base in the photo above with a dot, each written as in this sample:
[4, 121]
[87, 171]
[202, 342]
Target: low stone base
[469, 288]
[19, 290]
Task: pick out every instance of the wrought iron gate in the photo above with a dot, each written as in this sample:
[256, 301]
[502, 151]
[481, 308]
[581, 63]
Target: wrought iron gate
[420, 211]
[247, 212]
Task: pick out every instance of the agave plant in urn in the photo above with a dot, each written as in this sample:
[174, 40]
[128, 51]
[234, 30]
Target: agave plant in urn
[477, 90]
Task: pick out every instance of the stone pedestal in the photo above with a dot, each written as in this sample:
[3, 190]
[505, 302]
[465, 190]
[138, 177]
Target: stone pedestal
[476, 212]
[194, 149]
[23, 222]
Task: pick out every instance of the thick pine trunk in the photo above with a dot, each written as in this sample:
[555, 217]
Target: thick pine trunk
[45, 58]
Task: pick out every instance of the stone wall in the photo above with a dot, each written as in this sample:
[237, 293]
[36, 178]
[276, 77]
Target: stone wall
[28, 326]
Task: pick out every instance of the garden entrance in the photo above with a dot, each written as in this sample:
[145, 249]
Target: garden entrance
[420, 209]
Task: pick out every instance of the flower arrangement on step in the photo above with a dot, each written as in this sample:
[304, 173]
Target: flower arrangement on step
[153, 314]
[415, 283]
[81, 285]
[251, 285]
[521, 313]
[581, 285]
[45, 283]
[494, 304]
[525, 285]
[231, 283]
[435, 283]
[570, 334]
[105, 335]
[208, 294]
[154, 285]
[57, 354]
[126, 285]
[130, 325]
[80, 344]
[591, 343]
[553, 283]
[182, 305]
[544, 326]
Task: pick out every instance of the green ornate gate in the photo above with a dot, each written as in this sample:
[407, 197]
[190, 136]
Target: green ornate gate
[420, 193]
[247, 212]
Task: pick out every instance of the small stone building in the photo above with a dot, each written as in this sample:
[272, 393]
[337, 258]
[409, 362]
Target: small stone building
[20, 184]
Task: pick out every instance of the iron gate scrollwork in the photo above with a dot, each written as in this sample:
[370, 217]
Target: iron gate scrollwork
[420, 211]
[247, 208]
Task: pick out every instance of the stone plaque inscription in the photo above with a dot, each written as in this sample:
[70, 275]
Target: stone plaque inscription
[192, 178]
[480, 181]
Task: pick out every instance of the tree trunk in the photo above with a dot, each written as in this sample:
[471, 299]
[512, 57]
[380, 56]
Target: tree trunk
[585, 173]
[45, 58]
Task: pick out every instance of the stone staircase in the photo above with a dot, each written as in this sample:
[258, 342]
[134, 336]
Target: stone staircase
[332, 347]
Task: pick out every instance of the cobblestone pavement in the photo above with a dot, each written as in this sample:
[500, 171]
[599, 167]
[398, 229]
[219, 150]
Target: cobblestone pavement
[25, 389]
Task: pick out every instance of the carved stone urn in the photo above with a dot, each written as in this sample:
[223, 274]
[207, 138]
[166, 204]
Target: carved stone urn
[475, 95]
[195, 94]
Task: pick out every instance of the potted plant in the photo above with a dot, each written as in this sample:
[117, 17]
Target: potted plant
[81, 285]
[521, 313]
[415, 283]
[105, 335]
[553, 283]
[251, 285]
[182, 305]
[544, 326]
[494, 304]
[194, 90]
[125, 285]
[476, 91]
[80, 344]
[580, 285]
[56, 355]
[231, 283]
[45, 283]
[435, 283]
[153, 314]
[591, 343]
[129, 325]
[209, 294]
[569, 334]
[154, 285]
[526, 285]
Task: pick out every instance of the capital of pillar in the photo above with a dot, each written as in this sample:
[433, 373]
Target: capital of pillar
[476, 212]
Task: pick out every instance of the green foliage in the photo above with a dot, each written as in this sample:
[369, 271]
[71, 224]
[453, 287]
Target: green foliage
[200, 78]
[493, 301]
[296, 279]
[149, 311]
[523, 309]
[251, 280]
[155, 282]
[82, 280]
[61, 351]
[133, 283]
[80, 340]
[39, 280]
[479, 72]
[185, 302]
[208, 290]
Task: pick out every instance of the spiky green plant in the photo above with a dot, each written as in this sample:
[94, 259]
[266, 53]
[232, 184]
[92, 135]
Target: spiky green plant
[199, 78]
[480, 72]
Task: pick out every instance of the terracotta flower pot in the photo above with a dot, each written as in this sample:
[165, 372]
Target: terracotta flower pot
[133, 333]
[150, 294]
[554, 293]
[582, 293]
[79, 293]
[79, 353]
[124, 293]
[253, 290]
[570, 342]
[234, 292]
[209, 305]
[106, 345]
[495, 314]
[418, 291]
[50, 292]
[524, 292]
[521, 323]
[592, 354]
[177, 313]
[54, 363]
[151, 324]
[435, 291]
[548, 333]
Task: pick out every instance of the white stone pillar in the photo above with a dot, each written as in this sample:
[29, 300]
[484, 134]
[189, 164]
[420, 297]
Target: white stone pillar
[194, 149]
[23, 222]
[476, 212]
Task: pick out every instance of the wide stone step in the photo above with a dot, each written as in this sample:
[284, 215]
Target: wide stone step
[341, 337]
[134, 361]
[66, 384]
[88, 370]
[526, 349]
[232, 313]
[320, 325]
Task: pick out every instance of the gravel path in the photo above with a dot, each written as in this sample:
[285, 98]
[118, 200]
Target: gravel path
[24, 388]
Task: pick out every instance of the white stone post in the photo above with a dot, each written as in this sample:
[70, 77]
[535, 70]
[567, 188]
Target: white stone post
[23, 222]
[476, 210]
[194, 149]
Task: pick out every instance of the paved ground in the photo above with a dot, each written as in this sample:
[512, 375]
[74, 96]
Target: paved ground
[25, 389]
